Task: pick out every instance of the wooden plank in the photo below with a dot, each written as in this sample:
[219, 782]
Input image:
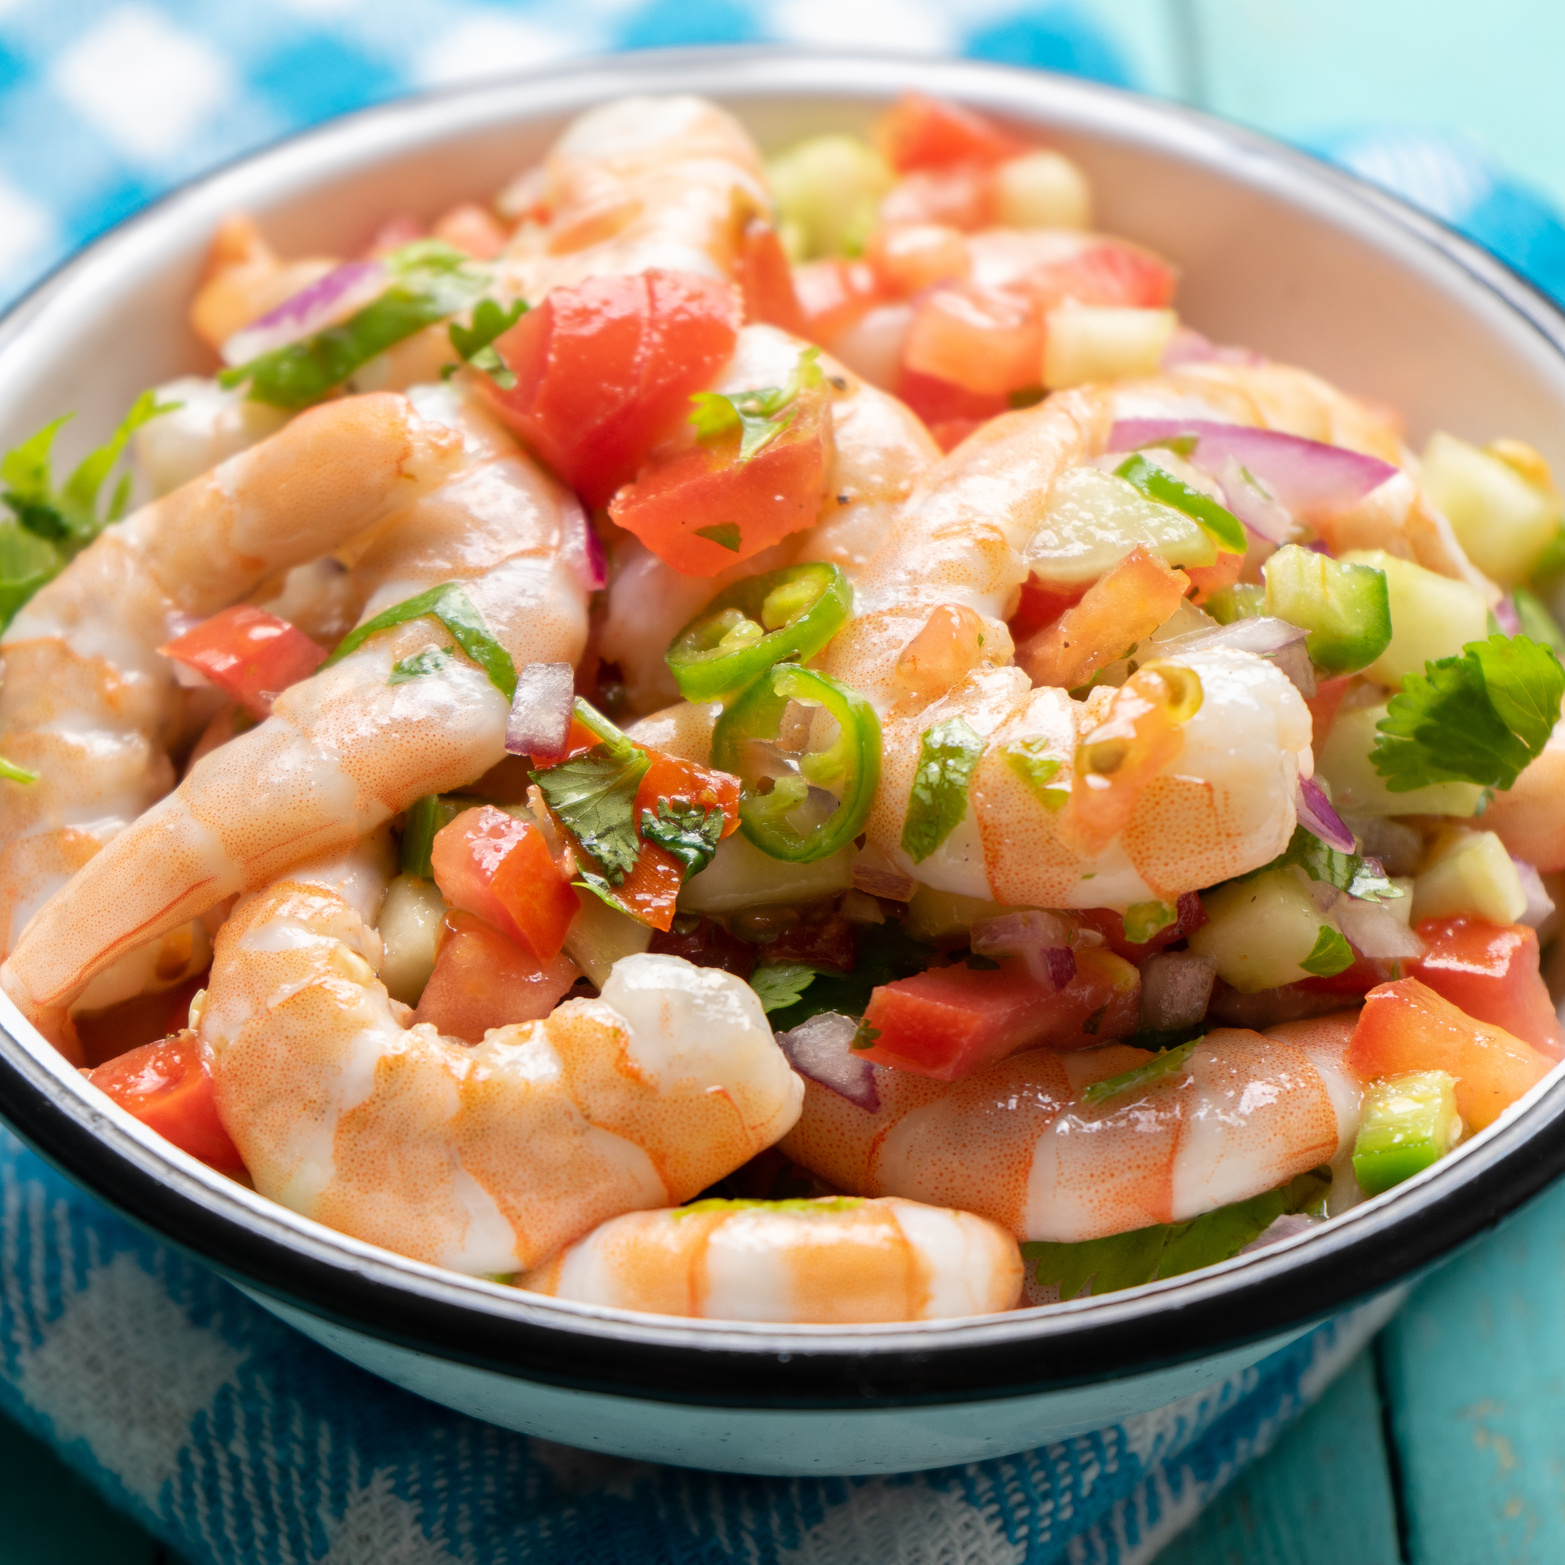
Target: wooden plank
[49, 1516]
[1321, 1497]
[1475, 1369]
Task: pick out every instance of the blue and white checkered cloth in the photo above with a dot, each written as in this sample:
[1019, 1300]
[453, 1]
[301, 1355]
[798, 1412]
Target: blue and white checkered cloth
[224, 1432]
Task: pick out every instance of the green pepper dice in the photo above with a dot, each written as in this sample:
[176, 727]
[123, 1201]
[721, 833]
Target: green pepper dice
[789, 778]
[1405, 1124]
[755, 624]
[424, 818]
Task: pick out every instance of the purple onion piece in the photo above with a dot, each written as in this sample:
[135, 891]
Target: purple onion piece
[1041, 939]
[1317, 816]
[540, 721]
[1252, 505]
[1539, 903]
[1303, 475]
[1506, 618]
[1189, 347]
[580, 546]
[324, 302]
[822, 1049]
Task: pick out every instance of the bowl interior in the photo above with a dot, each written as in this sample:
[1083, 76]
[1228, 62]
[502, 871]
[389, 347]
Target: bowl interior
[1277, 253]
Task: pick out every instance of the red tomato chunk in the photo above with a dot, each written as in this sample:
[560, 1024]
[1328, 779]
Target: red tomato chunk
[249, 654]
[167, 1086]
[605, 370]
[482, 980]
[491, 864]
[920, 132]
[948, 1022]
[1491, 972]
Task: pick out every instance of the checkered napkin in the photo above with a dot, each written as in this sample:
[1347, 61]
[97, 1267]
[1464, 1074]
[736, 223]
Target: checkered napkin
[224, 1432]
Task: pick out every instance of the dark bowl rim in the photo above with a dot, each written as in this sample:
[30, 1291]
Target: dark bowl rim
[1268, 1296]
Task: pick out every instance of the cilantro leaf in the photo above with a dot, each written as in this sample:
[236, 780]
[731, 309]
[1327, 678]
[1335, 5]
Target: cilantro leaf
[883, 953]
[1139, 1076]
[760, 415]
[781, 984]
[1350, 872]
[688, 831]
[938, 801]
[1031, 761]
[1170, 1250]
[26, 563]
[430, 281]
[1479, 717]
[430, 661]
[474, 343]
[594, 794]
[449, 604]
[1330, 954]
[725, 535]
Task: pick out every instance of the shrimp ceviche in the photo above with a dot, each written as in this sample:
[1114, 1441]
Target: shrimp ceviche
[779, 741]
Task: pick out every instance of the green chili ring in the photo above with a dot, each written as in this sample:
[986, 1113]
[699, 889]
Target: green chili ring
[849, 767]
[756, 623]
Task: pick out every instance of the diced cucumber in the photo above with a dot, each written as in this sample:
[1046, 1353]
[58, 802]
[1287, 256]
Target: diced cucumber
[600, 935]
[1405, 1123]
[1267, 931]
[1358, 789]
[828, 192]
[1094, 520]
[1345, 608]
[1093, 342]
[1240, 601]
[1472, 873]
[741, 875]
[1432, 616]
[936, 916]
[409, 929]
[1503, 520]
[1041, 189]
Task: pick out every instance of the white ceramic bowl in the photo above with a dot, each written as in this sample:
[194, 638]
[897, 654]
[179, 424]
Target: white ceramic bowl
[1277, 252]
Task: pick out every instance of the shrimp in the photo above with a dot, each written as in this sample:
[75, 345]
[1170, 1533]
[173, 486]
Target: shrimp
[1020, 1143]
[880, 449]
[1527, 815]
[343, 751]
[833, 1261]
[483, 1159]
[244, 279]
[635, 184]
[88, 704]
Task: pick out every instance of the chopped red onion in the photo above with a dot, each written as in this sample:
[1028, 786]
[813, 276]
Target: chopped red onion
[540, 721]
[580, 546]
[1318, 817]
[1373, 930]
[1252, 504]
[1506, 618]
[323, 303]
[1176, 988]
[1188, 346]
[822, 1049]
[1042, 940]
[1289, 1226]
[1264, 636]
[1539, 903]
[1303, 475]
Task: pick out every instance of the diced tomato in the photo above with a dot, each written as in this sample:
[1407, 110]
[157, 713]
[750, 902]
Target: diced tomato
[1105, 271]
[578, 741]
[702, 509]
[923, 132]
[766, 280]
[1190, 915]
[145, 1018]
[605, 370]
[249, 654]
[1207, 579]
[1039, 606]
[1406, 1026]
[940, 402]
[1490, 971]
[818, 942]
[909, 258]
[834, 294]
[482, 980]
[1360, 978]
[707, 944]
[948, 1022]
[985, 340]
[168, 1087]
[1125, 604]
[949, 433]
[491, 864]
[960, 196]
[1323, 706]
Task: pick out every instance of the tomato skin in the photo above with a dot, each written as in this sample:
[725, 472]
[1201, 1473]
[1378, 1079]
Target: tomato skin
[948, 1022]
[1207, 579]
[833, 294]
[249, 654]
[1040, 606]
[957, 195]
[605, 369]
[168, 1087]
[1106, 271]
[482, 980]
[1490, 971]
[1406, 1026]
[942, 402]
[1191, 915]
[777, 492]
[923, 132]
[766, 280]
[986, 340]
[499, 868]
